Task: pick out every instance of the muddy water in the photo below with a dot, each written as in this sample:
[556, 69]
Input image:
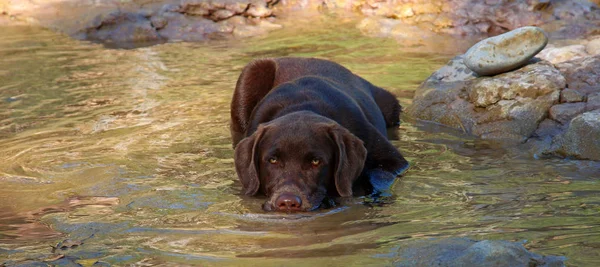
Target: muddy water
[123, 157]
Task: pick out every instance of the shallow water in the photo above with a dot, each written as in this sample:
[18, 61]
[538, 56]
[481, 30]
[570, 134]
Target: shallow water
[127, 154]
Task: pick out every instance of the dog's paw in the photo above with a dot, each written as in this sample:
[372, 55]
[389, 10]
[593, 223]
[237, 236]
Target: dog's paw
[381, 181]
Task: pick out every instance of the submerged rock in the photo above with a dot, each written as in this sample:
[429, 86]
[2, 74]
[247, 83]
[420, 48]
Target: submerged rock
[119, 27]
[467, 252]
[505, 52]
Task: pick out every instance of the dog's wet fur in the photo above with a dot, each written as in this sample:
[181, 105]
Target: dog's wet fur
[306, 129]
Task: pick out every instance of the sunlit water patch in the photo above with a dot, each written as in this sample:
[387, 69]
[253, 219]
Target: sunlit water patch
[124, 157]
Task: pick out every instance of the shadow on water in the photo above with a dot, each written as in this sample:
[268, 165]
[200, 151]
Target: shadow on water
[124, 157]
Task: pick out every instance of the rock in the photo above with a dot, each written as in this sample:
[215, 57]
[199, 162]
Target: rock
[123, 30]
[454, 70]
[171, 8]
[457, 17]
[593, 46]
[238, 7]
[554, 108]
[505, 52]
[573, 10]
[163, 21]
[258, 10]
[222, 14]
[187, 28]
[573, 128]
[582, 138]
[405, 12]
[561, 54]
[563, 113]
[572, 29]
[158, 22]
[422, 18]
[202, 9]
[570, 95]
[582, 74]
[222, 10]
[593, 102]
[506, 106]
[548, 127]
[466, 252]
[489, 91]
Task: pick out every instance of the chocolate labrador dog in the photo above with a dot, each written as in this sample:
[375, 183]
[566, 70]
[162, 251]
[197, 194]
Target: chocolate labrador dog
[305, 128]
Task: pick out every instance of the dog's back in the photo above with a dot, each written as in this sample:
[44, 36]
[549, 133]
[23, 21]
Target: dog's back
[259, 77]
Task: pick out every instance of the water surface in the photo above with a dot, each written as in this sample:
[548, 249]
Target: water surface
[126, 155]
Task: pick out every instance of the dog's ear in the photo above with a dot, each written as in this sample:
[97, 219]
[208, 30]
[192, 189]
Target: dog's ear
[246, 164]
[351, 156]
[255, 81]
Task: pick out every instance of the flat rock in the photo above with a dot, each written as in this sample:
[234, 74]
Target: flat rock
[505, 52]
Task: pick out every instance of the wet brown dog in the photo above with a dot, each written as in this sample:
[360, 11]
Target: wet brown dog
[306, 128]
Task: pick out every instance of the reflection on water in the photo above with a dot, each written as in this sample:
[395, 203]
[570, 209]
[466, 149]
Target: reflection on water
[125, 156]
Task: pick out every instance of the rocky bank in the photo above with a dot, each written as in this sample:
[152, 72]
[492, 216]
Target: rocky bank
[136, 23]
[551, 105]
[129, 23]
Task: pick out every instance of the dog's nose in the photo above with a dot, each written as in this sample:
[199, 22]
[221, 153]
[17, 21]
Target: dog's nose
[288, 202]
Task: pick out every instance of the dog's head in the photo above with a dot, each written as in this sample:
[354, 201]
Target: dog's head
[299, 159]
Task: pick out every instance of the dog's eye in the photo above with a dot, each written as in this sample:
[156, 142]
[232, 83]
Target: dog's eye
[315, 162]
[273, 160]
